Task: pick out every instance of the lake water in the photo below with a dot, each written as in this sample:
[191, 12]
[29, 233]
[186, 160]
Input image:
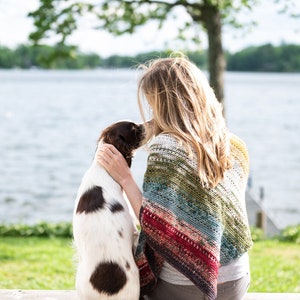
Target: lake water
[50, 122]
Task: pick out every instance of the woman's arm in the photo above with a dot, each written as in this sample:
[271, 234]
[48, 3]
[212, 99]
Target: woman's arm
[115, 164]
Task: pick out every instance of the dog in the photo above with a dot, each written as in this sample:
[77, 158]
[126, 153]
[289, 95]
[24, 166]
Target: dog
[103, 227]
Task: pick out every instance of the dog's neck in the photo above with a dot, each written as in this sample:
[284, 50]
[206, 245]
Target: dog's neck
[128, 157]
[101, 175]
[106, 179]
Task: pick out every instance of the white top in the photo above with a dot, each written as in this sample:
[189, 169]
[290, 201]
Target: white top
[237, 269]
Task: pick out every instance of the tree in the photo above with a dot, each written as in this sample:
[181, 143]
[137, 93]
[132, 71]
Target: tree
[6, 58]
[60, 18]
[266, 58]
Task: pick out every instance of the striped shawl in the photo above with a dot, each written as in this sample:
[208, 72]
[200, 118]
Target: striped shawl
[195, 229]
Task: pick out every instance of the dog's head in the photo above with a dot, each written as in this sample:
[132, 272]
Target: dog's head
[126, 136]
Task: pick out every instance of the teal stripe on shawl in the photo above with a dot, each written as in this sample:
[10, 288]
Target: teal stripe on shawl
[194, 214]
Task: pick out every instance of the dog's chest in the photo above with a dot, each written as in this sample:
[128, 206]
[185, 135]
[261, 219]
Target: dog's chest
[98, 199]
[101, 209]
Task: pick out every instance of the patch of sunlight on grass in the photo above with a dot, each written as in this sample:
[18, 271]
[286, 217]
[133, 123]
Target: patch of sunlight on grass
[275, 267]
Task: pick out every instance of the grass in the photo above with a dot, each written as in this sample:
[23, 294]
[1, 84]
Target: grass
[275, 267]
[47, 263]
[36, 263]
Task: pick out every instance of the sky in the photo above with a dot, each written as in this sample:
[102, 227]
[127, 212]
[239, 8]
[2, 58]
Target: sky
[272, 27]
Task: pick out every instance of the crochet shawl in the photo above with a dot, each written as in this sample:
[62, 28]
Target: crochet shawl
[193, 228]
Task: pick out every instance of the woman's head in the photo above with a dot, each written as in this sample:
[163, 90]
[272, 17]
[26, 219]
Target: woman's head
[179, 96]
[183, 104]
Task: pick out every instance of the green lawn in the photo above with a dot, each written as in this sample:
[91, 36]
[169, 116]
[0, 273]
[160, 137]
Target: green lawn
[36, 263]
[275, 267]
[48, 263]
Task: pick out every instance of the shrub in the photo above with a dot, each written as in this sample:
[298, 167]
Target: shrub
[291, 234]
[64, 230]
[257, 234]
[41, 229]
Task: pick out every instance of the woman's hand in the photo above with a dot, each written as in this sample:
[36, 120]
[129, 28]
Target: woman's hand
[114, 163]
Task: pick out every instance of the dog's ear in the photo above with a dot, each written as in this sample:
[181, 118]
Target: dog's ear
[120, 143]
[114, 137]
[104, 135]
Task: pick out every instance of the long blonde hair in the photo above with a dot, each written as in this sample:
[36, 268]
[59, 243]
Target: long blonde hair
[183, 104]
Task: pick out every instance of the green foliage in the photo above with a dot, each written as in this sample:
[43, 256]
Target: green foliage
[55, 18]
[47, 57]
[266, 58]
[41, 229]
[291, 234]
[257, 234]
[6, 58]
[60, 18]
[64, 230]
[119, 17]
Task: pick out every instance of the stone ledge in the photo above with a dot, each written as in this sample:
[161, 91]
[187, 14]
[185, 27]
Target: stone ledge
[272, 296]
[38, 295]
[71, 295]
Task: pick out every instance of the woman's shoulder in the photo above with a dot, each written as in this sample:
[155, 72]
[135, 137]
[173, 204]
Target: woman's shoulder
[165, 140]
[236, 143]
[239, 150]
[169, 145]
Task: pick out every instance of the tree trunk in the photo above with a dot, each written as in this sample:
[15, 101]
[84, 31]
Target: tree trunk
[211, 18]
[216, 56]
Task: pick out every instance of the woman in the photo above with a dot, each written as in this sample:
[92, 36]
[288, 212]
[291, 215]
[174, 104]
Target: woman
[194, 229]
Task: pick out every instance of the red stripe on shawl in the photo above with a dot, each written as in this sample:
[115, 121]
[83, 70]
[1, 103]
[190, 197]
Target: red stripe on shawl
[196, 249]
[145, 273]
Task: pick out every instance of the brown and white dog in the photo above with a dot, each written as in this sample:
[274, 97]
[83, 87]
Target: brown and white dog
[103, 228]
